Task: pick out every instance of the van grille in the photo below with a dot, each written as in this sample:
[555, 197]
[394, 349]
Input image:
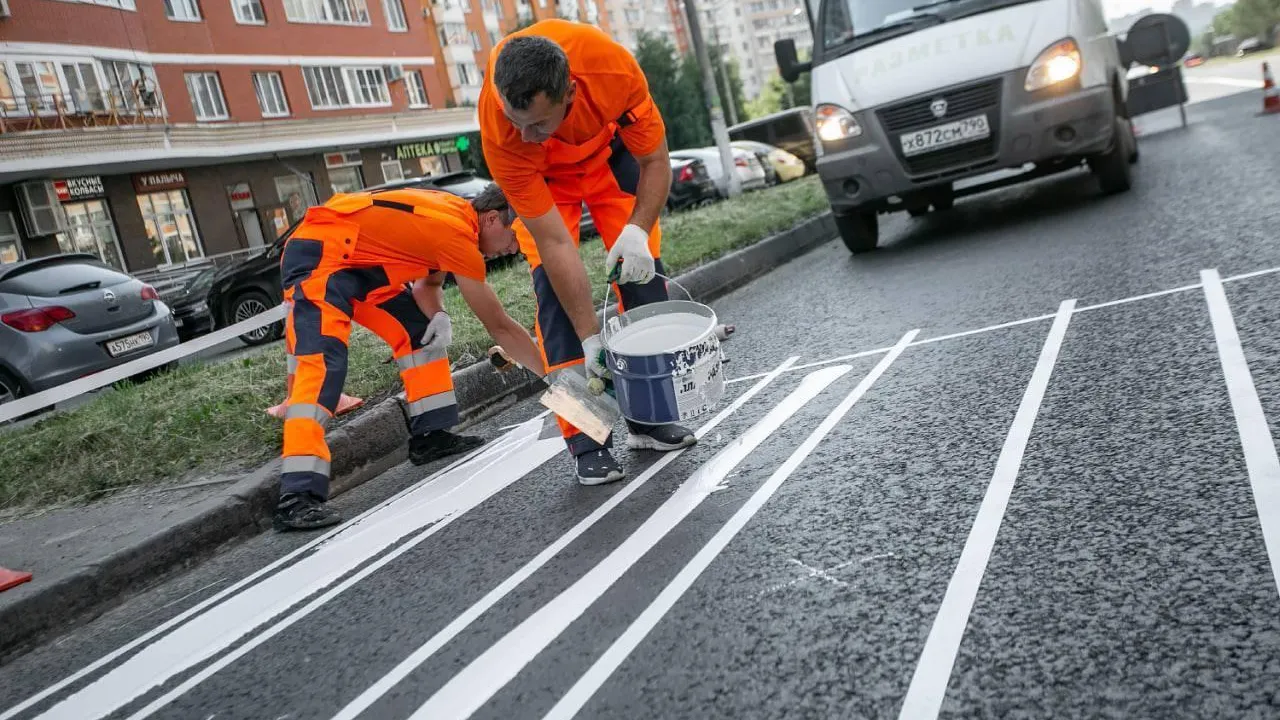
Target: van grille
[963, 101]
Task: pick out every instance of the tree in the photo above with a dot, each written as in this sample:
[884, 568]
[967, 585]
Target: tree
[676, 89]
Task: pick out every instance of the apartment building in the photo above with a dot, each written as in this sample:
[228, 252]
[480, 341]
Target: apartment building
[768, 21]
[626, 18]
[156, 133]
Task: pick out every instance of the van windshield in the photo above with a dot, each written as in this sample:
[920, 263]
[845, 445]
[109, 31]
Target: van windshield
[847, 25]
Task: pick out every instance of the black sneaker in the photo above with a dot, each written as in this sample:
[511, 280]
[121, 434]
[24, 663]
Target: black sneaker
[597, 467]
[663, 438]
[439, 444]
[303, 511]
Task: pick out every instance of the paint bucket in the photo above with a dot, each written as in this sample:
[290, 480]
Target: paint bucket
[665, 359]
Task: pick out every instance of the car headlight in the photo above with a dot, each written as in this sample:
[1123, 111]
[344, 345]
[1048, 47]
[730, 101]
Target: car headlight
[1058, 63]
[835, 124]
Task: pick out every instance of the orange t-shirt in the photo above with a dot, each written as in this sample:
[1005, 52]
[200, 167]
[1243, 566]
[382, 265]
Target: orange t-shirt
[611, 87]
[431, 228]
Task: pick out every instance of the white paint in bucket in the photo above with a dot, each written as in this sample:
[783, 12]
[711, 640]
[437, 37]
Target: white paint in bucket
[658, 334]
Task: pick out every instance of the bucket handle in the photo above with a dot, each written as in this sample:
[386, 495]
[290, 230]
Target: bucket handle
[608, 290]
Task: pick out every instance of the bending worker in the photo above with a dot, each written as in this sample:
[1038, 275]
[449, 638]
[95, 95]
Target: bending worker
[566, 117]
[350, 259]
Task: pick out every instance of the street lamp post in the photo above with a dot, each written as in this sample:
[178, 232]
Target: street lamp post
[712, 98]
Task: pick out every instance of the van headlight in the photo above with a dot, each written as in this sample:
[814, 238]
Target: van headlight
[1058, 63]
[835, 124]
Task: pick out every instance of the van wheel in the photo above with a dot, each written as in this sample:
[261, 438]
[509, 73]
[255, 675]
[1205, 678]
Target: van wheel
[860, 230]
[1112, 167]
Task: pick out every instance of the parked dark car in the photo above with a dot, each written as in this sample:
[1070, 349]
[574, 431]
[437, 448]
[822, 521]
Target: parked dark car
[190, 305]
[691, 185]
[66, 316]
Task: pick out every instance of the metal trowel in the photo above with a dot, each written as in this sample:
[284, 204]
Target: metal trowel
[588, 404]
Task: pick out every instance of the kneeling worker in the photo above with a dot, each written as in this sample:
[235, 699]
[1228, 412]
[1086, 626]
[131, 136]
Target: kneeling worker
[350, 259]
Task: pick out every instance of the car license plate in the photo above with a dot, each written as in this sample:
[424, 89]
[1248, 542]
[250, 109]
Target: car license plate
[941, 136]
[116, 348]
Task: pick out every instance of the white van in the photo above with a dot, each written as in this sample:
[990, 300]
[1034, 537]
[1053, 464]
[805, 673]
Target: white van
[911, 98]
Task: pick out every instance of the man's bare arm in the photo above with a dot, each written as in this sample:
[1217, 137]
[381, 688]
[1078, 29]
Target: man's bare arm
[564, 268]
[428, 293]
[653, 188]
[513, 338]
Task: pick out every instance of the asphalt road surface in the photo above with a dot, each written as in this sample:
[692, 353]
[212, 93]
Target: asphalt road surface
[1012, 464]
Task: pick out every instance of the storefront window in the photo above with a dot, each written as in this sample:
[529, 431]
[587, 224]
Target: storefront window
[91, 232]
[10, 243]
[170, 227]
[346, 180]
[297, 194]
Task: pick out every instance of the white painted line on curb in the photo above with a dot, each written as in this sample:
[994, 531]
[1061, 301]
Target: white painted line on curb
[348, 526]
[433, 507]
[96, 381]
[929, 683]
[1255, 434]
[471, 688]
[595, 677]
[494, 596]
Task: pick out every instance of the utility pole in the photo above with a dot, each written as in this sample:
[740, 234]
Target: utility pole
[724, 77]
[712, 98]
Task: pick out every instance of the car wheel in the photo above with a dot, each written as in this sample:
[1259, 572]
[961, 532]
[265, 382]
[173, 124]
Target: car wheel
[10, 390]
[860, 230]
[1112, 168]
[248, 304]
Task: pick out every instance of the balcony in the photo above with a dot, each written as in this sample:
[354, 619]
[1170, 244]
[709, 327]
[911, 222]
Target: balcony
[41, 152]
[80, 109]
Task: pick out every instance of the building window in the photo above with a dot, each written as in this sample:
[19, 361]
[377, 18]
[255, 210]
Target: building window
[122, 4]
[269, 87]
[396, 21]
[332, 12]
[453, 34]
[297, 194]
[171, 227]
[416, 88]
[346, 180]
[11, 244]
[91, 232]
[338, 87]
[475, 41]
[249, 12]
[468, 74]
[493, 38]
[184, 10]
[466, 6]
[206, 96]
[391, 171]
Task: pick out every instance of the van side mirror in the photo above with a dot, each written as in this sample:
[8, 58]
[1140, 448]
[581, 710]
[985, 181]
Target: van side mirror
[789, 66]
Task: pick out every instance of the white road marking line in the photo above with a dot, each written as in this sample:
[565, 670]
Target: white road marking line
[205, 637]
[594, 678]
[929, 683]
[471, 688]
[824, 574]
[1005, 325]
[262, 572]
[494, 596]
[1255, 435]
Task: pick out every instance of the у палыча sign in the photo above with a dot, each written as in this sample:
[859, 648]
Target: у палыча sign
[157, 181]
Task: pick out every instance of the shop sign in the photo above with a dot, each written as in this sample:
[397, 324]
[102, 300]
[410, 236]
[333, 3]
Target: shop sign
[342, 159]
[241, 196]
[153, 182]
[410, 151]
[79, 188]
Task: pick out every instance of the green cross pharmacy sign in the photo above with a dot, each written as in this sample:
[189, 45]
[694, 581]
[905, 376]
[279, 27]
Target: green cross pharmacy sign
[411, 151]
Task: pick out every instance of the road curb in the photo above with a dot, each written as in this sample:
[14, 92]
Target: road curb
[363, 448]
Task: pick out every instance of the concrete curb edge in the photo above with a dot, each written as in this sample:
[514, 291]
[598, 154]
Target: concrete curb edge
[371, 443]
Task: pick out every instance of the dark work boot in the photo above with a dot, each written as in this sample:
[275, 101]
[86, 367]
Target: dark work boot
[303, 511]
[663, 438]
[597, 467]
[439, 444]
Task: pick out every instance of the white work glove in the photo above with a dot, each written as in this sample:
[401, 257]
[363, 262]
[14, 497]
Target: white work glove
[632, 247]
[439, 332]
[593, 353]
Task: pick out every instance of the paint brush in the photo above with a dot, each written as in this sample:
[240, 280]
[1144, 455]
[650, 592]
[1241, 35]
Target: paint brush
[587, 404]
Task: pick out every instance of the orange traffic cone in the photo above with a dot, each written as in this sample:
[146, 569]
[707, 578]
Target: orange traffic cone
[12, 578]
[1270, 93]
[346, 403]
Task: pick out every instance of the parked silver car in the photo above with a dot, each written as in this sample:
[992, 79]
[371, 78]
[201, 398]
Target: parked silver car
[67, 316]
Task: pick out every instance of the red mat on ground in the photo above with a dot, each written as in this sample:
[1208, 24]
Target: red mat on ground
[12, 578]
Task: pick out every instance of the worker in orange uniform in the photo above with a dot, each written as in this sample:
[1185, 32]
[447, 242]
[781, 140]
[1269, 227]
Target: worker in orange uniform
[351, 259]
[566, 118]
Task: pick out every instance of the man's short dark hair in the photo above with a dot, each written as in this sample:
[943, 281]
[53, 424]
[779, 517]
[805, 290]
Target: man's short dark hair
[492, 198]
[528, 65]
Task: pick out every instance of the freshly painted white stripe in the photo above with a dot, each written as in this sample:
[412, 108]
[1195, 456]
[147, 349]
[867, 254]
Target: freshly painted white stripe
[590, 682]
[929, 683]
[989, 328]
[44, 50]
[470, 689]
[435, 505]
[463, 621]
[496, 446]
[1255, 434]
[1254, 274]
[1136, 298]
[66, 391]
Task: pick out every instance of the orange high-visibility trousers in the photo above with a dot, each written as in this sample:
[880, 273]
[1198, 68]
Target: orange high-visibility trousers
[607, 184]
[329, 285]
